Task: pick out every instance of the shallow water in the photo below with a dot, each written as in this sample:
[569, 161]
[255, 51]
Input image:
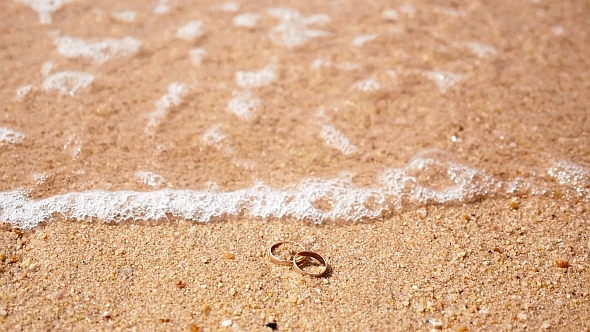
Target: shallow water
[324, 111]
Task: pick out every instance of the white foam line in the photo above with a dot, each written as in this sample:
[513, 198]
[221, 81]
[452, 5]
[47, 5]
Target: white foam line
[174, 96]
[100, 51]
[397, 186]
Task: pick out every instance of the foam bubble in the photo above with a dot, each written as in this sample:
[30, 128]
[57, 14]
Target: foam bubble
[243, 104]
[45, 8]
[567, 173]
[39, 178]
[391, 74]
[149, 178]
[558, 30]
[333, 137]
[100, 51]
[22, 91]
[230, 7]
[46, 68]
[292, 29]
[451, 12]
[481, 50]
[67, 82]
[367, 85]
[359, 41]
[318, 63]
[190, 31]
[390, 14]
[10, 136]
[408, 10]
[246, 20]
[196, 55]
[444, 79]
[125, 15]
[174, 96]
[213, 136]
[74, 145]
[162, 7]
[255, 79]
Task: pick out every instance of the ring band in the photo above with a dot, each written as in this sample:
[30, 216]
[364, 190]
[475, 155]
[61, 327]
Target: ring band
[306, 254]
[279, 261]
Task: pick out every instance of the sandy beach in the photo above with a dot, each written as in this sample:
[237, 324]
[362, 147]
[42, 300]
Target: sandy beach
[437, 154]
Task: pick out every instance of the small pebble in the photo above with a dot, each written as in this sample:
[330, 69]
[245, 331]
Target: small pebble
[227, 255]
[232, 291]
[3, 312]
[272, 325]
[562, 264]
[226, 323]
[194, 328]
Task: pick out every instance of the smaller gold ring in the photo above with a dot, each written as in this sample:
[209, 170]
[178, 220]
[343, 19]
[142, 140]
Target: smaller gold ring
[296, 261]
[279, 261]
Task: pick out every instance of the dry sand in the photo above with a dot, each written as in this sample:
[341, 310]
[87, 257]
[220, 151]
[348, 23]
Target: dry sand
[496, 263]
[484, 266]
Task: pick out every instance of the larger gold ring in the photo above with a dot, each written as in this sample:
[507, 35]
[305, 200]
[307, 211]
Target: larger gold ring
[296, 261]
[279, 261]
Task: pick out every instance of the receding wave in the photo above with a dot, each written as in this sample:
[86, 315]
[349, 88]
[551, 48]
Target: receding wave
[431, 177]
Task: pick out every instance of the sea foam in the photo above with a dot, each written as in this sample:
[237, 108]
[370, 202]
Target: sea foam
[397, 188]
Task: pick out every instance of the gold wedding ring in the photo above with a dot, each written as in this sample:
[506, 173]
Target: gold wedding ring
[304, 254]
[279, 261]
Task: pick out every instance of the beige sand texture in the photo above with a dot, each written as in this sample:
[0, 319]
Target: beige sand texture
[222, 96]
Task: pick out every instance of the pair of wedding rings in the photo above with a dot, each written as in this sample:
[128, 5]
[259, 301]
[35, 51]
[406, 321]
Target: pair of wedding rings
[299, 258]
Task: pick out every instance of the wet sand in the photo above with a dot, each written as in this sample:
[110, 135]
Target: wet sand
[497, 262]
